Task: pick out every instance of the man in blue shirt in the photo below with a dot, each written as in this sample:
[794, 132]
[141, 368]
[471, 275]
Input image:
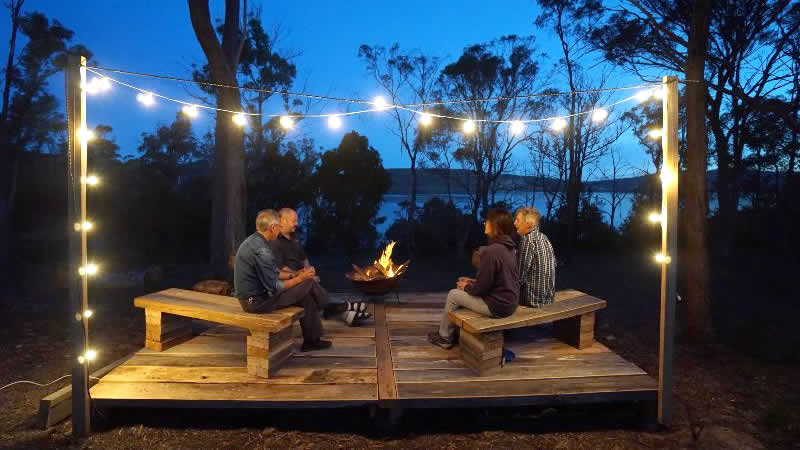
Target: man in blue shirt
[259, 289]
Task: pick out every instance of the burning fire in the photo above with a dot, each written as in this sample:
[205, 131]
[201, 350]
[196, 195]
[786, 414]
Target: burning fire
[382, 268]
[384, 263]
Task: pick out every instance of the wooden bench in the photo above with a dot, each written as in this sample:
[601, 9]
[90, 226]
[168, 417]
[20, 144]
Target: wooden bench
[481, 337]
[169, 314]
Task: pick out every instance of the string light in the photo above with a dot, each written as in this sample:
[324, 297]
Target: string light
[666, 177]
[654, 217]
[86, 314]
[655, 133]
[287, 122]
[558, 124]
[469, 126]
[190, 111]
[239, 119]
[425, 119]
[599, 115]
[91, 180]
[662, 258]
[97, 85]
[85, 134]
[517, 127]
[85, 226]
[81, 360]
[90, 269]
[380, 103]
[335, 122]
[146, 98]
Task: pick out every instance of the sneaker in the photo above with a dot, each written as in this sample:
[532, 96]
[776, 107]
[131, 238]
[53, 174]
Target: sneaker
[353, 318]
[435, 339]
[320, 344]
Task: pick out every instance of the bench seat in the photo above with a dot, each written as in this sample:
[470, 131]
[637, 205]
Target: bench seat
[168, 315]
[481, 337]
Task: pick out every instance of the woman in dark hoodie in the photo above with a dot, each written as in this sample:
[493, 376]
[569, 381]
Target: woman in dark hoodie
[495, 292]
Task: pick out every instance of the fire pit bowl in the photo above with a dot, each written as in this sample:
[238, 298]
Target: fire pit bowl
[379, 278]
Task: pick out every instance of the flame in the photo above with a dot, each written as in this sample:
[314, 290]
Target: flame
[385, 261]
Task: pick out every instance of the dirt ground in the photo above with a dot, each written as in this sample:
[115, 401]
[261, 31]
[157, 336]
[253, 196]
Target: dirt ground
[727, 396]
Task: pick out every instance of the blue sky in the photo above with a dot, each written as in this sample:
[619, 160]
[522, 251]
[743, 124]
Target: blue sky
[156, 36]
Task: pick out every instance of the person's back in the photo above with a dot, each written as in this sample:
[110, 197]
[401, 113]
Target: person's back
[249, 279]
[536, 261]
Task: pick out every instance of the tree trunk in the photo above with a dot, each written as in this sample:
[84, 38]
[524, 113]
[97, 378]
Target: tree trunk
[696, 269]
[227, 220]
[9, 160]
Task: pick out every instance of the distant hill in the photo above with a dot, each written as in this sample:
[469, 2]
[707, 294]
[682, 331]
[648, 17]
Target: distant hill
[434, 181]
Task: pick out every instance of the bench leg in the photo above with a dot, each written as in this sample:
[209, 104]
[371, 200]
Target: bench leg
[481, 352]
[576, 331]
[267, 351]
[163, 330]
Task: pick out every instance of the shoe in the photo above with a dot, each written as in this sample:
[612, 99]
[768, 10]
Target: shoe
[320, 344]
[353, 318]
[435, 339]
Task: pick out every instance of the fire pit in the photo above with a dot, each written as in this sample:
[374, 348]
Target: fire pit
[379, 278]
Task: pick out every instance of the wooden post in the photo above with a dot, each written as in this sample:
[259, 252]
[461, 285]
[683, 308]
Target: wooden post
[76, 203]
[669, 247]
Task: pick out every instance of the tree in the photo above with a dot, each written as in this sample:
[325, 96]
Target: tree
[349, 185]
[616, 170]
[170, 146]
[227, 213]
[503, 70]
[407, 78]
[31, 120]
[665, 35]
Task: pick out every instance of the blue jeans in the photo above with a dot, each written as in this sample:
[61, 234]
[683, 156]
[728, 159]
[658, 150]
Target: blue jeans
[457, 298]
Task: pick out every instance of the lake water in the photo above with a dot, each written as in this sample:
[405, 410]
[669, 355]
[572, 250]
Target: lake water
[391, 208]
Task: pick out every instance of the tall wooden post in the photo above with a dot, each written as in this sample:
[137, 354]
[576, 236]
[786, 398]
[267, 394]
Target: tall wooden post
[669, 246]
[79, 288]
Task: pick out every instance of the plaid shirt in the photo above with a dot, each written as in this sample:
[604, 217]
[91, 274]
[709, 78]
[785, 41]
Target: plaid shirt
[536, 266]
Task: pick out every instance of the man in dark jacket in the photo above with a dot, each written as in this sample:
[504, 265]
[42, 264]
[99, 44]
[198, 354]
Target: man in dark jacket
[495, 291]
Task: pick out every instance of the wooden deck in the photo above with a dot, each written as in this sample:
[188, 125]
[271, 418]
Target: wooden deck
[385, 362]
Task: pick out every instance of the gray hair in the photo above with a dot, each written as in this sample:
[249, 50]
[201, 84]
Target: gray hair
[287, 212]
[265, 218]
[530, 215]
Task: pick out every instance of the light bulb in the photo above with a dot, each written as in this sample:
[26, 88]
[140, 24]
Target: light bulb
[655, 133]
[380, 103]
[91, 87]
[643, 96]
[92, 180]
[81, 360]
[558, 124]
[658, 93]
[335, 122]
[190, 111]
[662, 258]
[85, 134]
[654, 217]
[287, 122]
[239, 119]
[469, 126]
[146, 98]
[87, 226]
[104, 84]
[517, 127]
[599, 115]
[666, 177]
[90, 355]
[425, 119]
[88, 313]
[90, 270]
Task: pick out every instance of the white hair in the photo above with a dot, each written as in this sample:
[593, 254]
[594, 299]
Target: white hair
[266, 218]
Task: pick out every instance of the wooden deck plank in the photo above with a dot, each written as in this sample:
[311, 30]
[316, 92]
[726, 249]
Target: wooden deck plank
[526, 388]
[354, 347]
[576, 366]
[205, 344]
[424, 351]
[329, 362]
[231, 394]
[189, 360]
[387, 387]
[213, 375]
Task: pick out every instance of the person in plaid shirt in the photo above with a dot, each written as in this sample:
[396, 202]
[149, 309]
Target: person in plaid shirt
[536, 263]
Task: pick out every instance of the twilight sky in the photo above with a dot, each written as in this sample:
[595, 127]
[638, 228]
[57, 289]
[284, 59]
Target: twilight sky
[156, 36]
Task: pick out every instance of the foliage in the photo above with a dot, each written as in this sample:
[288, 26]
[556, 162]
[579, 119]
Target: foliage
[349, 185]
[439, 224]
